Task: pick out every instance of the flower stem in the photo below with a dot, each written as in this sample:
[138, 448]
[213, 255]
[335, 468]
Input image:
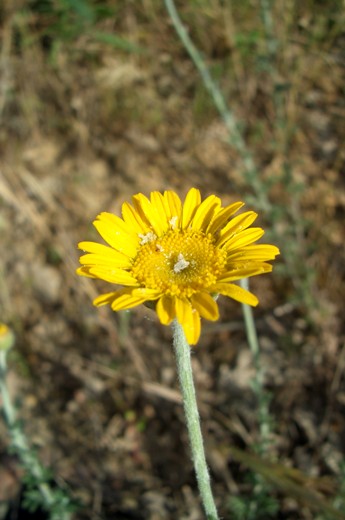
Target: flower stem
[19, 442]
[184, 367]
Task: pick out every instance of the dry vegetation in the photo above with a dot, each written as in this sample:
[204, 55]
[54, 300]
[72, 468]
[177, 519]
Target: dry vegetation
[99, 103]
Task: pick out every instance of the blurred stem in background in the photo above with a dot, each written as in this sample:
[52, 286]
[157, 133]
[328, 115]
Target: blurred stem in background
[235, 136]
[55, 501]
[265, 420]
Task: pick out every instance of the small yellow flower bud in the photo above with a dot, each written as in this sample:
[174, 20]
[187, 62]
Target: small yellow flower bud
[6, 337]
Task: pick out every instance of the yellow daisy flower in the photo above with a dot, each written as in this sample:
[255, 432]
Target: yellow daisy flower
[177, 255]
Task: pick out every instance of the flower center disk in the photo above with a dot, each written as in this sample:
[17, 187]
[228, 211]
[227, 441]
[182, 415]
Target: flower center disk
[179, 263]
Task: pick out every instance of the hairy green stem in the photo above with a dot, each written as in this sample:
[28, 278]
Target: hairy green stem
[184, 367]
[19, 442]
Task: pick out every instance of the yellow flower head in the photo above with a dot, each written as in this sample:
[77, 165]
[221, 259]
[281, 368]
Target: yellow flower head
[6, 337]
[177, 255]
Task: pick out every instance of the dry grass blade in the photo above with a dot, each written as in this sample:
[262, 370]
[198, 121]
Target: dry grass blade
[292, 482]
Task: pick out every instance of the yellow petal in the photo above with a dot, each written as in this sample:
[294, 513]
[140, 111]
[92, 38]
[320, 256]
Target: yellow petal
[150, 294]
[235, 226]
[84, 271]
[108, 274]
[157, 201]
[151, 214]
[205, 212]
[237, 274]
[235, 292]
[133, 219]
[173, 206]
[117, 234]
[136, 199]
[165, 309]
[114, 222]
[105, 299]
[106, 254]
[243, 239]
[222, 216]
[255, 252]
[205, 305]
[107, 257]
[192, 201]
[127, 298]
[93, 247]
[189, 319]
[194, 333]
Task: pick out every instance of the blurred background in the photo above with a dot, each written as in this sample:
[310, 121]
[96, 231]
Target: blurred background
[99, 100]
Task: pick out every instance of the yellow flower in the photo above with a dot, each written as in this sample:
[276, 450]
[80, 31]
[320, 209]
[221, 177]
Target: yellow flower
[6, 337]
[177, 255]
